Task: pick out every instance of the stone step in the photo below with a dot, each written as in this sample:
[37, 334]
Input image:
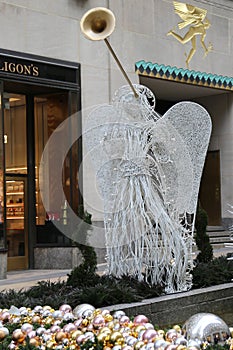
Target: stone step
[218, 249]
[219, 234]
[220, 240]
[219, 237]
[215, 246]
[215, 228]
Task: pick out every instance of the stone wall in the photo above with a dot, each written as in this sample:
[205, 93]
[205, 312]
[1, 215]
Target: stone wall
[3, 264]
[57, 257]
[174, 309]
[61, 257]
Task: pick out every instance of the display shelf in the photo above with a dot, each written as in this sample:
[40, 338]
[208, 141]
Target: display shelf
[15, 217]
[15, 205]
[14, 193]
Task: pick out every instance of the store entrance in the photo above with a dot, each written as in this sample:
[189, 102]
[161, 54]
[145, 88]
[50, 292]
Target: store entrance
[29, 121]
[37, 95]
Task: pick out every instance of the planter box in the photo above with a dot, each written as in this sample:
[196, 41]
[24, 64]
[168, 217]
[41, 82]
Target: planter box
[176, 308]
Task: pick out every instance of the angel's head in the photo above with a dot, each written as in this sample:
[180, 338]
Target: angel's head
[137, 108]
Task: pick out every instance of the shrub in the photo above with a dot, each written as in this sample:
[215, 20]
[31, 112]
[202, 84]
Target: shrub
[217, 271]
[89, 265]
[202, 239]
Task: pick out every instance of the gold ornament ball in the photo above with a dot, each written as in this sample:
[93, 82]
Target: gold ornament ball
[102, 337]
[108, 318]
[177, 328]
[48, 320]
[85, 322]
[137, 330]
[47, 307]
[36, 319]
[120, 341]
[26, 319]
[34, 342]
[110, 325]
[105, 330]
[2, 334]
[5, 330]
[50, 345]
[18, 336]
[161, 333]
[96, 312]
[76, 333]
[59, 336]
[181, 347]
[138, 345]
[73, 347]
[231, 331]
[116, 337]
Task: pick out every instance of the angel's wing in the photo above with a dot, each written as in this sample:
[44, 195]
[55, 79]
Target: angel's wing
[189, 14]
[184, 130]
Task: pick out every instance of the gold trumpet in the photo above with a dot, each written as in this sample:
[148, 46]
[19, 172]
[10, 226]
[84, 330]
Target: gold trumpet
[98, 24]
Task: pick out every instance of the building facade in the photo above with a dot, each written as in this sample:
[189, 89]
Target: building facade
[50, 71]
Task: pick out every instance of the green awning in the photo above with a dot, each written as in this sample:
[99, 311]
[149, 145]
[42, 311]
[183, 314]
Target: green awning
[183, 75]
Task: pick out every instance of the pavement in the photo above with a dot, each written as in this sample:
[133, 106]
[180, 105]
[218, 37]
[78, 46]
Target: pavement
[25, 279]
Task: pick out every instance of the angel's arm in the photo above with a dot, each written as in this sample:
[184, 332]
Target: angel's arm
[206, 49]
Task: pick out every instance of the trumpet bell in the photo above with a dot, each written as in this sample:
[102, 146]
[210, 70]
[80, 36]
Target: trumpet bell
[98, 23]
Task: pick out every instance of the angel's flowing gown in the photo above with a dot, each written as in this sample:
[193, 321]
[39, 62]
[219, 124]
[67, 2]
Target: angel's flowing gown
[149, 171]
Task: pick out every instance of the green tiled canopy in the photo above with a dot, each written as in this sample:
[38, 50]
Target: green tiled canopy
[183, 75]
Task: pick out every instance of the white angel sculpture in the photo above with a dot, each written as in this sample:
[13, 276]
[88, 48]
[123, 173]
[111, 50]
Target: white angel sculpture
[148, 170]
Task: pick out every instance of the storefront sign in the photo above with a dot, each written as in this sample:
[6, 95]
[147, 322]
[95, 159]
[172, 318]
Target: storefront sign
[19, 68]
[27, 67]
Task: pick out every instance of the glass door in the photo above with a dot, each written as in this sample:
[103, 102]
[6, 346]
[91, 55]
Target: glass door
[50, 112]
[15, 144]
[2, 214]
[16, 230]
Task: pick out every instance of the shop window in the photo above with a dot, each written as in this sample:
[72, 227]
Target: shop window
[15, 138]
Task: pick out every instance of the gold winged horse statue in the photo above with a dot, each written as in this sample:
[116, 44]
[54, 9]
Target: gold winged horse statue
[194, 17]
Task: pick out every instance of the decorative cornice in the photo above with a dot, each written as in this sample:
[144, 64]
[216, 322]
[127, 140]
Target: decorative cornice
[183, 75]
